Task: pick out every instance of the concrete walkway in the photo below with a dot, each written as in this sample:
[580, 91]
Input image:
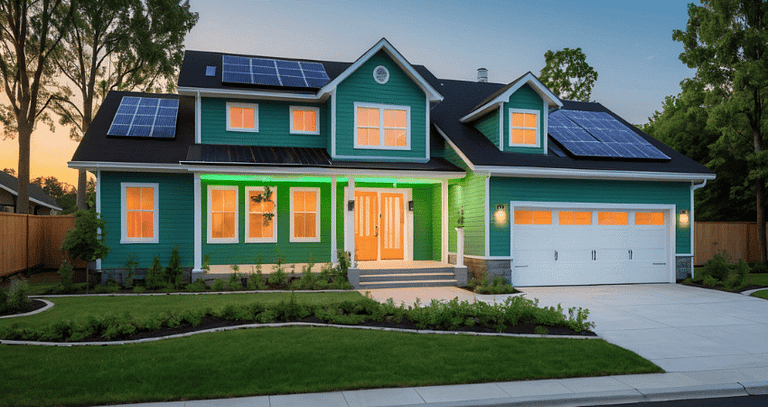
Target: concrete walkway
[712, 344]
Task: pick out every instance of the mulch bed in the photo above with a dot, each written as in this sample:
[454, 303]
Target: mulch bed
[34, 305]
[210, 322]
[721, 288]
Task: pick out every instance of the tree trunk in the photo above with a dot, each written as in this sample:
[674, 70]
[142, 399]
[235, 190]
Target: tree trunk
[22, 203]
[82, 189]
[762, 241]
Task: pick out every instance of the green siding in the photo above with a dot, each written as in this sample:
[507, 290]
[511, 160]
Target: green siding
[525, 98]
[274, 125]
[175, 223]
[489, 126]
[504, 190]
[245, 253]
[437, 221]
[469, 193]
[399, 90]
[422, 223]
[452, 157]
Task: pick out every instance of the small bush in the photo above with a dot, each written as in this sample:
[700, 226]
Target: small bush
[760, 268]
[18, 295]
[278, 277]
[709, 281]
[3, 301]
[130, 266]
[718, 266]
[66, 271]
[540, 330]
[218, 285]
[155, 275]
[197, 286]
[139, 289]
[173, 274]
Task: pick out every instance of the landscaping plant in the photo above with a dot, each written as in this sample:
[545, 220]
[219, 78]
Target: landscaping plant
[87, 240]
[18, 295]
[173, 274]
[130, 265]
[154, 279]
[66, 271]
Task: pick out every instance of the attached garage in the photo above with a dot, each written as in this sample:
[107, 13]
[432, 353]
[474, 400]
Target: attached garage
[591, 243]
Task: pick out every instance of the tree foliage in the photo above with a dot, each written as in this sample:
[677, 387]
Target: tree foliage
[568, 74]
[726, 41]
[9, 171]
[117, 45]
[53, 187]
[87, 240]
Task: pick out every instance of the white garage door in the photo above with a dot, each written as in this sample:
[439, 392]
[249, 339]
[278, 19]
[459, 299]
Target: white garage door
[583, 245]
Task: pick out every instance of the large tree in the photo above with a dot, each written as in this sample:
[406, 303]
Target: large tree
[122, 45]
[30, 30]
[726, 41]
[568, 74]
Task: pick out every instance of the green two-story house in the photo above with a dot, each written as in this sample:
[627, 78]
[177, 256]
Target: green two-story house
[422, 181]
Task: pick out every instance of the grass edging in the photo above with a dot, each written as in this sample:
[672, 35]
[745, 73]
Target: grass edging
[48, 305]
[290, 324]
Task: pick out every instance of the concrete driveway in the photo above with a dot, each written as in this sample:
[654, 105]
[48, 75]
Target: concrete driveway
[680, 328]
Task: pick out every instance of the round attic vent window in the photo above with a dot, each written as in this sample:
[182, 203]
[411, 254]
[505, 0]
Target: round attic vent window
[381, 74]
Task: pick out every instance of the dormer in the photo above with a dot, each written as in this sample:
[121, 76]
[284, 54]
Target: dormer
[515, 117]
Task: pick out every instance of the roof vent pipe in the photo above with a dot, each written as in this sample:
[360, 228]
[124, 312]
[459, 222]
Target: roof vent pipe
[482, 75]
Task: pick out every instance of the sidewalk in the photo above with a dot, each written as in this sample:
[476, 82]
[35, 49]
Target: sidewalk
[560, 392]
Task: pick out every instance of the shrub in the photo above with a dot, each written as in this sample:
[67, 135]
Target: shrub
[18, 295]
[278, 277]
[206, 263]
[154, 277]
[256, 280]
[130, 265]
[3, 301]
[173, 274]
[197, 286]
[760, 268]
[709, 281]
[234, 283]
[718, 266]
[737, 276]
[65, 271]
[218, 285]
[110, 287]
[139, 289]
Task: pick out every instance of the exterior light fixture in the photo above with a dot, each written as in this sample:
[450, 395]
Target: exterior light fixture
[684, 217]
[500, 216]
[351, 205]
[410, 206]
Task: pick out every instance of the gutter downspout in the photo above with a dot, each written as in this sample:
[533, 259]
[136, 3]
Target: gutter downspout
[694, 187]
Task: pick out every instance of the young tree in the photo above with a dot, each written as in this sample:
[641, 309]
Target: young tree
[568, 74]
[726, 42]
[117, 44]
[29, 32]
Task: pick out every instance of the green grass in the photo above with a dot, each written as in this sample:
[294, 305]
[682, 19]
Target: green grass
[293, 360]
[80, 308]
[761, 294]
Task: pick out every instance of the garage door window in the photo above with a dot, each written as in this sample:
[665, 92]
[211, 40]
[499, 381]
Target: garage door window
[533, 217]
[649, 218]
[612, 218]
[575, 218]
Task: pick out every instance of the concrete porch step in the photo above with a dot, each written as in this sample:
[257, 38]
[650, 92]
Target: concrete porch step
[435, 270]
[410, 276]
[408, 284]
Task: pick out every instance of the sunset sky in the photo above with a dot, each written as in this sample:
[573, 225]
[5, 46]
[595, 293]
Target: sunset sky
[628, 43]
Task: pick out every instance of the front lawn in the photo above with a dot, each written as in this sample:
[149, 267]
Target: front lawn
[761, 294]
[293, 360]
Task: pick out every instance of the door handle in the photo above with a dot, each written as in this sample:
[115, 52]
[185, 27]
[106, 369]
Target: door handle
[594, 255]
[555, 255]
[630, 254]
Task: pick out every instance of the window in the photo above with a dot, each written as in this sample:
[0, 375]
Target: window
[533, 217]
[305, 214]
[524, 128]
[222, 214]
[139, 212]
[382, 126]
[381, 74]
[258, 228]
[305, 120]
[574, 218]
[649, 218]
[242, 117]
[612, 218]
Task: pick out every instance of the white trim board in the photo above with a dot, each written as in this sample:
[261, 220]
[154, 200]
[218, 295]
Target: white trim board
[124, 239]
[407, 227]
[529, 79]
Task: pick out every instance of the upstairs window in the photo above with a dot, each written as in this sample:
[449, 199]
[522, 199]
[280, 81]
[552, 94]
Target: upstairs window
[524, 128]
[383, 127]
[305, 120]
[242, 117]
[222, 214]
[139, 213]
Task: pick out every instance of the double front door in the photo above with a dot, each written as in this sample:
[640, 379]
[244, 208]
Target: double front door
[379, 225]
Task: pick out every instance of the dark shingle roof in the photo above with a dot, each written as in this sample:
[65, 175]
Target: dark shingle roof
[35, 192]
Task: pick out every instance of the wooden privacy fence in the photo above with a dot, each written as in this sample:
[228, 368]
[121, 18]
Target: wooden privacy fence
[31, 241]
[738, 239]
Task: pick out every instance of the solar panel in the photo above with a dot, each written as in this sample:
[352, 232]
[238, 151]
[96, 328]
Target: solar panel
[145, 117]
[273, 72]
[598, 134]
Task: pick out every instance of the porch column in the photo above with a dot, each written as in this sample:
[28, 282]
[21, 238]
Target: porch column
[334, 258]
[198, 266]
[444, 228]
[349, 231]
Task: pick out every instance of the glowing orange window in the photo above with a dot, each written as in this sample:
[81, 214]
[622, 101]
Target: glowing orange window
[260, 227]
[575, 218]
[649, 218]
[395, 128]
[223, 213]
[523, 217]
[524, 129]
[140, 212]
[612, 218]
[242, 117]
[304, 120]
[368, 126]
[304, 217]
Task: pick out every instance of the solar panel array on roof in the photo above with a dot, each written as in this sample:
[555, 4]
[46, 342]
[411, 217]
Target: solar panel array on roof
[273, 72]
[145, 117]
[598, 134]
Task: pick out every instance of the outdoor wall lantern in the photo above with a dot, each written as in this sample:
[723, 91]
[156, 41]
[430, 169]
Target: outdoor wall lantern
[685, 218]
[500, 216]
[410, 206]
[351, 205]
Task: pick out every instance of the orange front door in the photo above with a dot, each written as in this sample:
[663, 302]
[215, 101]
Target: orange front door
[392, 226]
[366, 225]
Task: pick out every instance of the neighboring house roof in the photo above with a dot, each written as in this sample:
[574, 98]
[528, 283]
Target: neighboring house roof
[36, 194]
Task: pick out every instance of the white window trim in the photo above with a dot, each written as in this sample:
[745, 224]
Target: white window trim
[538, 127]
[124, 239]
[317, 120]
[215, 240]
[381, 108]
[248, 238]
[254, 106]
[293, 238]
